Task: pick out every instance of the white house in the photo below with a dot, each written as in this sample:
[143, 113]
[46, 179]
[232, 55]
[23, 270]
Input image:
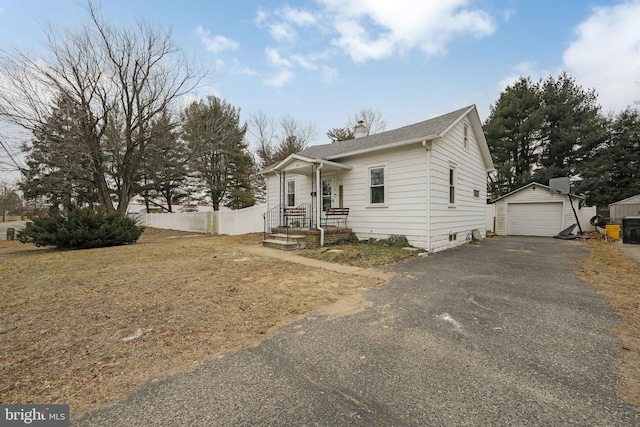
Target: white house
[538, 210]
[426, 181]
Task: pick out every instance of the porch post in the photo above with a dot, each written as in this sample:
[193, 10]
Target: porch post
[314, 197]
[283, 196]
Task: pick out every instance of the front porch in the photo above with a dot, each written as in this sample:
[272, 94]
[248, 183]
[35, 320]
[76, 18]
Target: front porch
[289, 238]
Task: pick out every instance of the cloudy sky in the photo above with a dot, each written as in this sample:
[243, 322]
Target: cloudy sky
[323, 60]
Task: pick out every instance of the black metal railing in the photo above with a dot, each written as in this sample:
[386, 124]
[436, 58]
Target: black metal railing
[273, 218]
[288, 218]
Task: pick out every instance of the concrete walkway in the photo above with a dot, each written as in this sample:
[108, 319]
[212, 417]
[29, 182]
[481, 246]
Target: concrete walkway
[292, 256]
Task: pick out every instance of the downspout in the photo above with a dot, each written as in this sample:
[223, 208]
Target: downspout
[319, 205]
[427, 147]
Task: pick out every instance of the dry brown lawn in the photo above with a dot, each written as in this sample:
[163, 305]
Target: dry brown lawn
[617, 277]
[87, 327]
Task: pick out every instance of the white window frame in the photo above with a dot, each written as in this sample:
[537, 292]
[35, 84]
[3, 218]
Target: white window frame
[385, 185]
[465, 136]
[287, 194]
[453, 184]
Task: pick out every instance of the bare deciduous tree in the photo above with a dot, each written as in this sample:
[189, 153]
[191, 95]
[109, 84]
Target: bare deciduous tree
[273, 145]
[372, 119]
[261, 128]
[112, 76]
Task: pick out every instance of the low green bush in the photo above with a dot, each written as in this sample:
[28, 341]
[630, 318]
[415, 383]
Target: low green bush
[80, 228]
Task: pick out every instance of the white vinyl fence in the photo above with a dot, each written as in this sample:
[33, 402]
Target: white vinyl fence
[225, 221]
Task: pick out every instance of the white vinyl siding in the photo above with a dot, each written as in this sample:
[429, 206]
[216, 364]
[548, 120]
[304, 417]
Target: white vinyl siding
[470, 174]
[405, 195]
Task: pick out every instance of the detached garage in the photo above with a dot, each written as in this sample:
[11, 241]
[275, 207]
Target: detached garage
[534, 210]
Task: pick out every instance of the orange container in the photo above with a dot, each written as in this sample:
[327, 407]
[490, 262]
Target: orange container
[613, 231]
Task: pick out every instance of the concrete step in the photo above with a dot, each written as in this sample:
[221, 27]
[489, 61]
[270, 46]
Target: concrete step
[279, 244]
[277, 236]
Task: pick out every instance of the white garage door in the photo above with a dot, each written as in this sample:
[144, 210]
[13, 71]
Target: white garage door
[534, 219]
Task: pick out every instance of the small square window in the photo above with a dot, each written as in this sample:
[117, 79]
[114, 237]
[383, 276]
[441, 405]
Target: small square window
[476, 193]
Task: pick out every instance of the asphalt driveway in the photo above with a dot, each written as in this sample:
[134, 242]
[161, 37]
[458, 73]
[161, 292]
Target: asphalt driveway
[500, 333]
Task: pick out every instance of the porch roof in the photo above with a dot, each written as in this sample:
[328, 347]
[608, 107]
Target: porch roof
[303, 165]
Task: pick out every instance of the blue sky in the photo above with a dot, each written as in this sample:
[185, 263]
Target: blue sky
[324, 60]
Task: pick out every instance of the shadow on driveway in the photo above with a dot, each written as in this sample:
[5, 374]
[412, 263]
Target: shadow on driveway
[498, 333]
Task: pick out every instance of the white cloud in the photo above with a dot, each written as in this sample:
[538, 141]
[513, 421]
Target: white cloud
[215, 44]
[329, 74]
[282, 32]
[298, 17]
[605, 54]
[303, 62]
[403, 25]
[261, 16]
[282, 77]
[275, 59]
[525, 69]
[508, 14]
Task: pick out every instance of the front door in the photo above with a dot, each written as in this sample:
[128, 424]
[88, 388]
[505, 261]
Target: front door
[327, 193]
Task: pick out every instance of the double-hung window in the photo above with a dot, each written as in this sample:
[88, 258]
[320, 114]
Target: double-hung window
[466, 136]
[291, 193]
[377, 177]
[452, 185]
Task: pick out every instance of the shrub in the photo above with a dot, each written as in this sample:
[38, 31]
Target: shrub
[394, 240]
[398, 241]
[80, 228]
[350, 239]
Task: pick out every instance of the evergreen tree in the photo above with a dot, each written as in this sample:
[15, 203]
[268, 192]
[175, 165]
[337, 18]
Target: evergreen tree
[59, 166]
[340, 134]
[611, 169]
[164, 176]
[220, 157]
[572, 124]
[513, 134]
[80, 228]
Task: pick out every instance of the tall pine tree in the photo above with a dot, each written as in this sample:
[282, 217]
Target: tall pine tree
[513, 134]
[572, 124]
[611, 169]
[220, 157]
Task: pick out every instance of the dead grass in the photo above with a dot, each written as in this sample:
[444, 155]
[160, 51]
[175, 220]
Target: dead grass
[362, 254]
[87, 327]
[617, 277]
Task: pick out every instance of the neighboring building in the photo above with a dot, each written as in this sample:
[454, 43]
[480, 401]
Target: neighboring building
[627, 207]
[535, 210]
[426, 181]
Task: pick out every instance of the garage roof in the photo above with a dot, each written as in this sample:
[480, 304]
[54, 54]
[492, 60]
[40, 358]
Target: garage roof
[533, 184]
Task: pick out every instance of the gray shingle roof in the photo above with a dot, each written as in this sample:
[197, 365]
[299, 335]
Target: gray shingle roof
[427, 128]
